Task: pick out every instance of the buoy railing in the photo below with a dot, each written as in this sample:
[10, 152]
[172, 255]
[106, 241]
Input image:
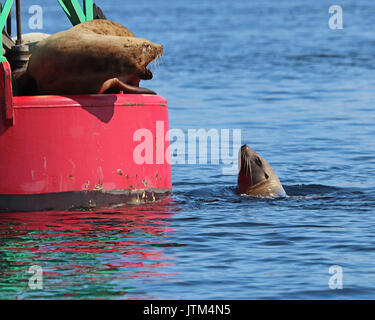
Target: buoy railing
[3, 19]
[74, 11]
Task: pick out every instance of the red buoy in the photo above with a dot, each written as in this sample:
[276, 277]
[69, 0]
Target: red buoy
[69, 152]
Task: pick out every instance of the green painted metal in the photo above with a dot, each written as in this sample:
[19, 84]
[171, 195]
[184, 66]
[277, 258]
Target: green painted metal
[3, 18]
[89, 10]
[74, 11]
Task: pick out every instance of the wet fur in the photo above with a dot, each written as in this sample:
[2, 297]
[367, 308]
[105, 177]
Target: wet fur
[256, 177]
[92, 57]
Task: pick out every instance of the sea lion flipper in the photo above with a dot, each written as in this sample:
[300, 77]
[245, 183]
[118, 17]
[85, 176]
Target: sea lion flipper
[117, 85]
[140, 90]
[24, 84]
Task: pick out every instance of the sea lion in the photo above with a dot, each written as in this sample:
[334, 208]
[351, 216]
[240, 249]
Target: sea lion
[103, 27]
[256, 177]
[92, 58]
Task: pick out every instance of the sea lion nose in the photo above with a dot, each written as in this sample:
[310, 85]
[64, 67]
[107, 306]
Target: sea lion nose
[244, 146]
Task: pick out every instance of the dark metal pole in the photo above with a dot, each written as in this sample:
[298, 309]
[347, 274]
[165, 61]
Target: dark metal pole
[9, 24]
[19, 31]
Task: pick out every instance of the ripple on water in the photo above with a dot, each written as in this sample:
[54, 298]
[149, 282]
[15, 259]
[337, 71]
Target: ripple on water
[302, 97]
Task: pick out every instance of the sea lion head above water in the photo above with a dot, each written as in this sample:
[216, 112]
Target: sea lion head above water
[92, 57]
[256, 177]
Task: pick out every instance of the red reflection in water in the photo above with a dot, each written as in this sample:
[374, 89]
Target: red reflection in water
[91, 241]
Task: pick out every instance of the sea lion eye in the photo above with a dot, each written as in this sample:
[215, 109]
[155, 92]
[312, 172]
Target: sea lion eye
[266, 176]
[258, 162]
[147, 46]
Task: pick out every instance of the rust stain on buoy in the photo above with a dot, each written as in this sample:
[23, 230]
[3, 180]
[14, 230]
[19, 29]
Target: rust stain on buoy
[129, 104]
[92, 204]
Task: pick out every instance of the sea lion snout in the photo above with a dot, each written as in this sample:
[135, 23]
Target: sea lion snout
[252, 166]
[247, 151]
[256, 177]
[147, 52]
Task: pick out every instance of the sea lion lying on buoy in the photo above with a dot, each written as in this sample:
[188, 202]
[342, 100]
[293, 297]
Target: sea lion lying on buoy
[256, 177]
[92, 58]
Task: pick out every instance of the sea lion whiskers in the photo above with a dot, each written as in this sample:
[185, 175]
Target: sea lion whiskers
[246, 161]
[159, 60]
[155, 64]
[256, 177]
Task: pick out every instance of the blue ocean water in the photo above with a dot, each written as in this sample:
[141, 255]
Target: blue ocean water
[303, 96]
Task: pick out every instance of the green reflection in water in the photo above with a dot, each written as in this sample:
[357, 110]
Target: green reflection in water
[84, 255]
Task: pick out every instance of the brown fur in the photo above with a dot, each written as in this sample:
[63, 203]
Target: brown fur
[92, 57]
[256, 177]
[103, 27]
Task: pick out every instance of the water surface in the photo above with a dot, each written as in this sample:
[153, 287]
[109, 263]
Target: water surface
[303, 96]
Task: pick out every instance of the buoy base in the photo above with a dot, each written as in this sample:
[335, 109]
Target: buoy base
[76, 200]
